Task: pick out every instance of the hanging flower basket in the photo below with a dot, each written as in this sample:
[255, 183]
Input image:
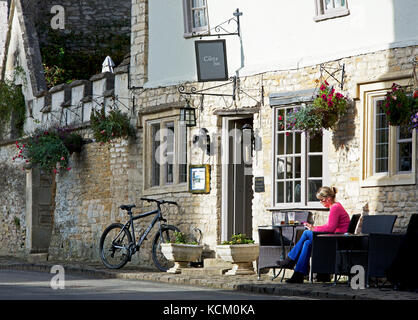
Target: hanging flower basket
[324, 112]
[399, 106]
[112, 125]
[72, 141]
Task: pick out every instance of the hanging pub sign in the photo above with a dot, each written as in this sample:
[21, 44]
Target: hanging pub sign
[211, 60]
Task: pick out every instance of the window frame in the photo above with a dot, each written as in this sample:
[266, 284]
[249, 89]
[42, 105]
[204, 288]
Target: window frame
[323, 14]
[163, 119]
[368, 94]
[189, 30]
[304, 203]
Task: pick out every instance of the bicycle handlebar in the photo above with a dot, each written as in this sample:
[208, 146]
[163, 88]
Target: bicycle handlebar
[159, 201]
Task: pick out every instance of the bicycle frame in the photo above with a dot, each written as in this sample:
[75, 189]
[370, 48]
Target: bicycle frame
[127, 225]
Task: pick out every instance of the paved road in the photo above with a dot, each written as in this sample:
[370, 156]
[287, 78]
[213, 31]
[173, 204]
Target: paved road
[30, 285]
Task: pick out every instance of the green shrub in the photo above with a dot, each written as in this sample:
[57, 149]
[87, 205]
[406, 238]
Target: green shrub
[109, 126]
[239, 239]
[180, 238]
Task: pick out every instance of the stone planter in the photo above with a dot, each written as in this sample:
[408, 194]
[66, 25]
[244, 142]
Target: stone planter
[241, 255]
[181, 254]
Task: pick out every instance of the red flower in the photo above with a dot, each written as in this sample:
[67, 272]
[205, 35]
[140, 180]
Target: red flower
[416, 94]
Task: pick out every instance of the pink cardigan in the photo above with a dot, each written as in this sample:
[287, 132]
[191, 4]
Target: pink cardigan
[338, 220]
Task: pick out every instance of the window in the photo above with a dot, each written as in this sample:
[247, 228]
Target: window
[299, 167]
[165, 153]
[387, 151]
[195, 17]
[328, 9]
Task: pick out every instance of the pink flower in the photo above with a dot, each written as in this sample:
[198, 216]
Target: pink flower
[280, 118]
[287, 133]
[322, 88]
[55, 170]
[68, 168]
[327, 83]
[62, 158]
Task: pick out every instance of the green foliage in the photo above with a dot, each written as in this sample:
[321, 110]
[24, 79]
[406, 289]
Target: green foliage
[324, 112]
[239, 239]
[180, 238]
[12, 102]
[47, 148]
[72, 141]
[106, 127]
[398, 106]
[305, 119]
[65, 56]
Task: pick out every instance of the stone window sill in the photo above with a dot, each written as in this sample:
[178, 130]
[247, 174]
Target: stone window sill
[183, 187]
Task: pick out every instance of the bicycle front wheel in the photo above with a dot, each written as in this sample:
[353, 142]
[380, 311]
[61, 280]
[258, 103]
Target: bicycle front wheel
[114, 246]
[167, 234]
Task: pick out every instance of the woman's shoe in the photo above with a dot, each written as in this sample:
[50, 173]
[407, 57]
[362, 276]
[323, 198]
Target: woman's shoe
[287, 263]
[297, 277]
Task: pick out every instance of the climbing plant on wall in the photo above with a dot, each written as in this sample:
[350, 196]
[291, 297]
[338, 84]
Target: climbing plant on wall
[12, 106]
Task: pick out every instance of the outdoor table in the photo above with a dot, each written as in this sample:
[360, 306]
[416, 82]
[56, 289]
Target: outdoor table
[292, 240]
[346, 243]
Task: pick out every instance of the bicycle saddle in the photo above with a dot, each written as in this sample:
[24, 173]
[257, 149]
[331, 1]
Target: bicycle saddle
[127, 207]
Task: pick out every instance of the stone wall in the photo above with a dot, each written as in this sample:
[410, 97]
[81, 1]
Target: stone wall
[84, 17]
[12, 203]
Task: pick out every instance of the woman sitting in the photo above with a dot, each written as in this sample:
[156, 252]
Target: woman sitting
[338, 221]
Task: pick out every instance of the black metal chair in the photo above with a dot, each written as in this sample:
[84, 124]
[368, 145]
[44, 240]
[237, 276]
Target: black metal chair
[382, 224]
[389, 255]
[323, 251]
[356, 251]
[271, 246]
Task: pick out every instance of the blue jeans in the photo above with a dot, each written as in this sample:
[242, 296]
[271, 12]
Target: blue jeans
[301, 252]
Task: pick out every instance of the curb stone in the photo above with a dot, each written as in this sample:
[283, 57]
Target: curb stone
[243, 284]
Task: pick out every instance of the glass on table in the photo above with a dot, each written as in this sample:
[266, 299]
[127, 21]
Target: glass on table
[279, 218]
[291, 217]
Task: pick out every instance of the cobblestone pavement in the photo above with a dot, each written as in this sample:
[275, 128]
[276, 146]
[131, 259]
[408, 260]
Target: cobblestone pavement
[248, 283]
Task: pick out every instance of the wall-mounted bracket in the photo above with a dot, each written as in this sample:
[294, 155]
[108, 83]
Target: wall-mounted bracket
[193, 91]
[220, 28]
[331, 71]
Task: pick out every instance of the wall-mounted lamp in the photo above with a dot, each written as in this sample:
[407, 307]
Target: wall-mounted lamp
[203, 139]
[248, 143]
[188, 115]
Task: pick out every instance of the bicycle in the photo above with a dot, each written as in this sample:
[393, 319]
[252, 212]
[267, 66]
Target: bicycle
[118, 243]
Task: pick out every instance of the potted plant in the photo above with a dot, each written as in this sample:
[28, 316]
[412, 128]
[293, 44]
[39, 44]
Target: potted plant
[181, 252]
[241, 251]
[399, 105]
[106, 127]
[324, 112]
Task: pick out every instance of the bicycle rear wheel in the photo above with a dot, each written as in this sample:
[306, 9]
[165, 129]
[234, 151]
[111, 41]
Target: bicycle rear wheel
[167, 233]
[114, 246]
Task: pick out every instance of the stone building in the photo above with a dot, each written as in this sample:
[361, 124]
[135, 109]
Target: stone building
[275, 61]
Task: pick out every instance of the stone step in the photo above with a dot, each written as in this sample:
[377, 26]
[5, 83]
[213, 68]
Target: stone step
[204, 271]
[37, 257]
[216, 263]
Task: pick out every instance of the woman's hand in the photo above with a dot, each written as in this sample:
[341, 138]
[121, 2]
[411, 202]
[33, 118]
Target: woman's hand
[309, 226]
